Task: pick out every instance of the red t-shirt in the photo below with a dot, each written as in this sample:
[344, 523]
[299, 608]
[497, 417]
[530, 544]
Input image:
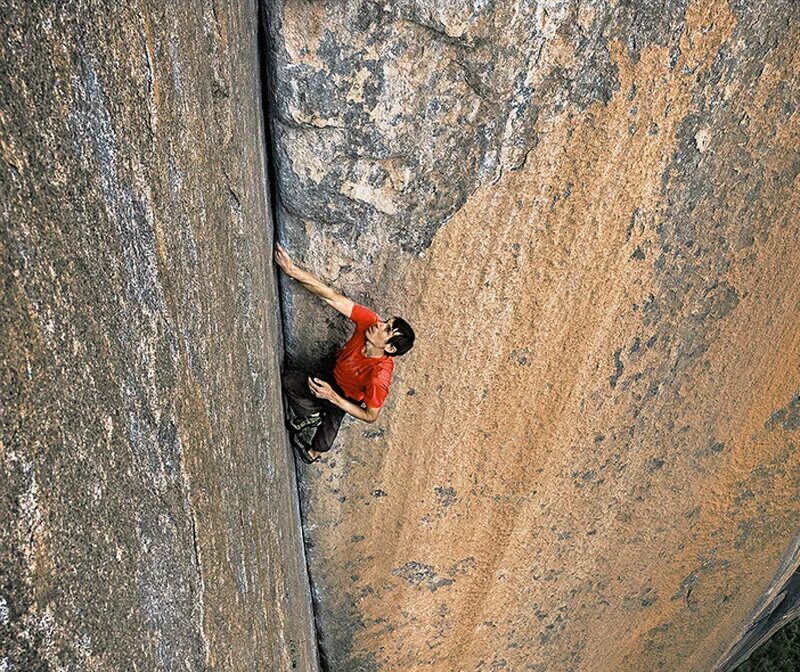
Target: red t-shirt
[363, 378]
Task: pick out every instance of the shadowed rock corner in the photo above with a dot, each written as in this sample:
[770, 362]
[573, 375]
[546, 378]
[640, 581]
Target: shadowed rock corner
[147, 498]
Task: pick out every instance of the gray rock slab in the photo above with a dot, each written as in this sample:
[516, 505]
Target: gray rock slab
[148, 508]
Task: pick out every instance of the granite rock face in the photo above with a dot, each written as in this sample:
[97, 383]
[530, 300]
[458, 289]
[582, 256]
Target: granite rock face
[149, 511]
[588, 211]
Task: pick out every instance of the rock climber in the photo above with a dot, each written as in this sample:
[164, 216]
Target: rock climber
[356, 383]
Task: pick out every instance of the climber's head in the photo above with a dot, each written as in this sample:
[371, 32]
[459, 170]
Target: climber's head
[402, 339]
[395, 336]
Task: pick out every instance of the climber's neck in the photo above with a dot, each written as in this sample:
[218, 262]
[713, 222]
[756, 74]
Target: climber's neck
[371, 351]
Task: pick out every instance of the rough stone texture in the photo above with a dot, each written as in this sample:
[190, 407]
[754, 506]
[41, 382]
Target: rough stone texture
[588, 210]
[779, 608]
[149, 512]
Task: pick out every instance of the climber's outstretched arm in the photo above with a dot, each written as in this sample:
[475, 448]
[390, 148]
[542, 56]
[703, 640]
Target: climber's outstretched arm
[312, 283]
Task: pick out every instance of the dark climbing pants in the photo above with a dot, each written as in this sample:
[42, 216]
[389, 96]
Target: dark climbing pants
[303, 403]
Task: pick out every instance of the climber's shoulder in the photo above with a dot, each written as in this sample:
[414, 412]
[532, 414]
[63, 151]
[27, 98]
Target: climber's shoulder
[341, 303]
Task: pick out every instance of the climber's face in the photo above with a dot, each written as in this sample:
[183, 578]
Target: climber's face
[380, 333]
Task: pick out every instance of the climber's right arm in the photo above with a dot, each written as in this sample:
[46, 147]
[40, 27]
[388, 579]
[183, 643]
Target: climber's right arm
[312, 283]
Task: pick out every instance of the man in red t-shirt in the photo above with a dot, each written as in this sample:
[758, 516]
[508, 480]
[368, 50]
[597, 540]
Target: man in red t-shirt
[359, 381]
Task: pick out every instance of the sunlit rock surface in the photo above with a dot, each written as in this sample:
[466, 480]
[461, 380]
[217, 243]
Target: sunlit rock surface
[589, 212]
[148, 512]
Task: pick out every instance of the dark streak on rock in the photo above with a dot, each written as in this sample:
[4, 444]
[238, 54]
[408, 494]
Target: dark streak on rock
[788, 417]
[445, 495]
[618, 368]
[419, 574]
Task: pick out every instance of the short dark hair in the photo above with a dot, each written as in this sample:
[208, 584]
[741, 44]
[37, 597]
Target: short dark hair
[403, 340]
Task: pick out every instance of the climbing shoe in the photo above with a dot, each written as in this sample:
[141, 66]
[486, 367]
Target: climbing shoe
[298, 424]
[302, 447]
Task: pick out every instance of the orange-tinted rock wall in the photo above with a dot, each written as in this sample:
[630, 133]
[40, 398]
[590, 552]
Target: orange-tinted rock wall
[588, 211]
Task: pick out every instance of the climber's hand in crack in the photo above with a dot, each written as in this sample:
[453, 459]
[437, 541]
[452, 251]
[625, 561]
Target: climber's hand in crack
[312, 283]
[321, 390]
[283, 260]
